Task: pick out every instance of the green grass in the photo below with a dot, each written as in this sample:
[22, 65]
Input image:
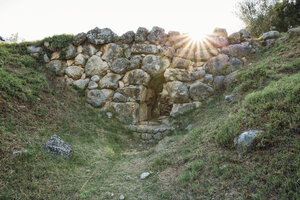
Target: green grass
[58, 42]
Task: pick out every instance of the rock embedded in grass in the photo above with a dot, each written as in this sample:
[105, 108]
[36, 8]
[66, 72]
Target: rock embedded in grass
[245, 140]
[145, 175]
[57, 147]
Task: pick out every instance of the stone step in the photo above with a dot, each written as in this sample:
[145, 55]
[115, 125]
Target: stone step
[149, 132]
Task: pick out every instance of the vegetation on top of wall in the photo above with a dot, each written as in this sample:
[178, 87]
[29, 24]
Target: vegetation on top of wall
[59, 42]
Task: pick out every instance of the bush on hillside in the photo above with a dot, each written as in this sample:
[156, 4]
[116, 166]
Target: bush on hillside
[261, 16]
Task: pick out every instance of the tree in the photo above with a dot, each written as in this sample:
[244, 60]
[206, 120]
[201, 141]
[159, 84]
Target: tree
[261, 16]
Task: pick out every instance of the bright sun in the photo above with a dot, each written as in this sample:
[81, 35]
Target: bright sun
[197, 36]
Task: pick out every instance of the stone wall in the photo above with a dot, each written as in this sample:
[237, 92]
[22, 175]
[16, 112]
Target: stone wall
[148, 74]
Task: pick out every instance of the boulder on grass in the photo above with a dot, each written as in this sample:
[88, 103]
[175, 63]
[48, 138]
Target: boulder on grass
[57, 147]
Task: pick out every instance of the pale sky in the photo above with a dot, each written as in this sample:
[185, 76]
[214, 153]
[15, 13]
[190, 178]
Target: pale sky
[37, 19]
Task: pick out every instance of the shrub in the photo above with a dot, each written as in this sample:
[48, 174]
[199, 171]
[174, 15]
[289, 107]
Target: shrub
[261, 16]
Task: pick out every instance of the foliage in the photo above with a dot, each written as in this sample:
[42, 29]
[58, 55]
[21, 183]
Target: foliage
[59, 42]
[19, 77]
[261, 16]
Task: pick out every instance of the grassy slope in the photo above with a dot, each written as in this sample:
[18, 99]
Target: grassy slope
[266, 97]
[199, 164]
[32, 108]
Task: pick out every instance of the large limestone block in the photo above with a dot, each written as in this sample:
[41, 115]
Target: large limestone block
[80, 59]
[57, 147]
[127, 37]
[220, 32]
[81, 83]
[155, 65]
[202, 55]
[101, 36]
[174, 74]
[182, 108]
[95, 66]
[74, 72]
[200, 91]
[137, 77]
[135, 62]
[237, 50]
[70, 52]
[120, 65]
[57, 67]
[186, 53]
[218, 64]
[235, 38]
[79, 39]
[134, 93]
[230, 79]
[144, 48]
[246, 140]
[217, 41]
[141, 34]
[177, 92]
[118, 97]
[98, 98]
[181, 63]
[270, 35]
[89, 50]
[157, 35]
[218, 82]
[111, 52]
[235, 64]
[110, 81]
[128, 112]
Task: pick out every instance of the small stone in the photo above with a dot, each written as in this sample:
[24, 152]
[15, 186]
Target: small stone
[46, 44]
[109, 194]
[127, 178]
[95, 78]
[55, 55]
[34, 49]
[189, 127]
[46, 58]
[109, 115]
[83, 76]
[88, 171]
[92, 85]
[144, 175]
[146, 136]
[229, 97]
[121, 197]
